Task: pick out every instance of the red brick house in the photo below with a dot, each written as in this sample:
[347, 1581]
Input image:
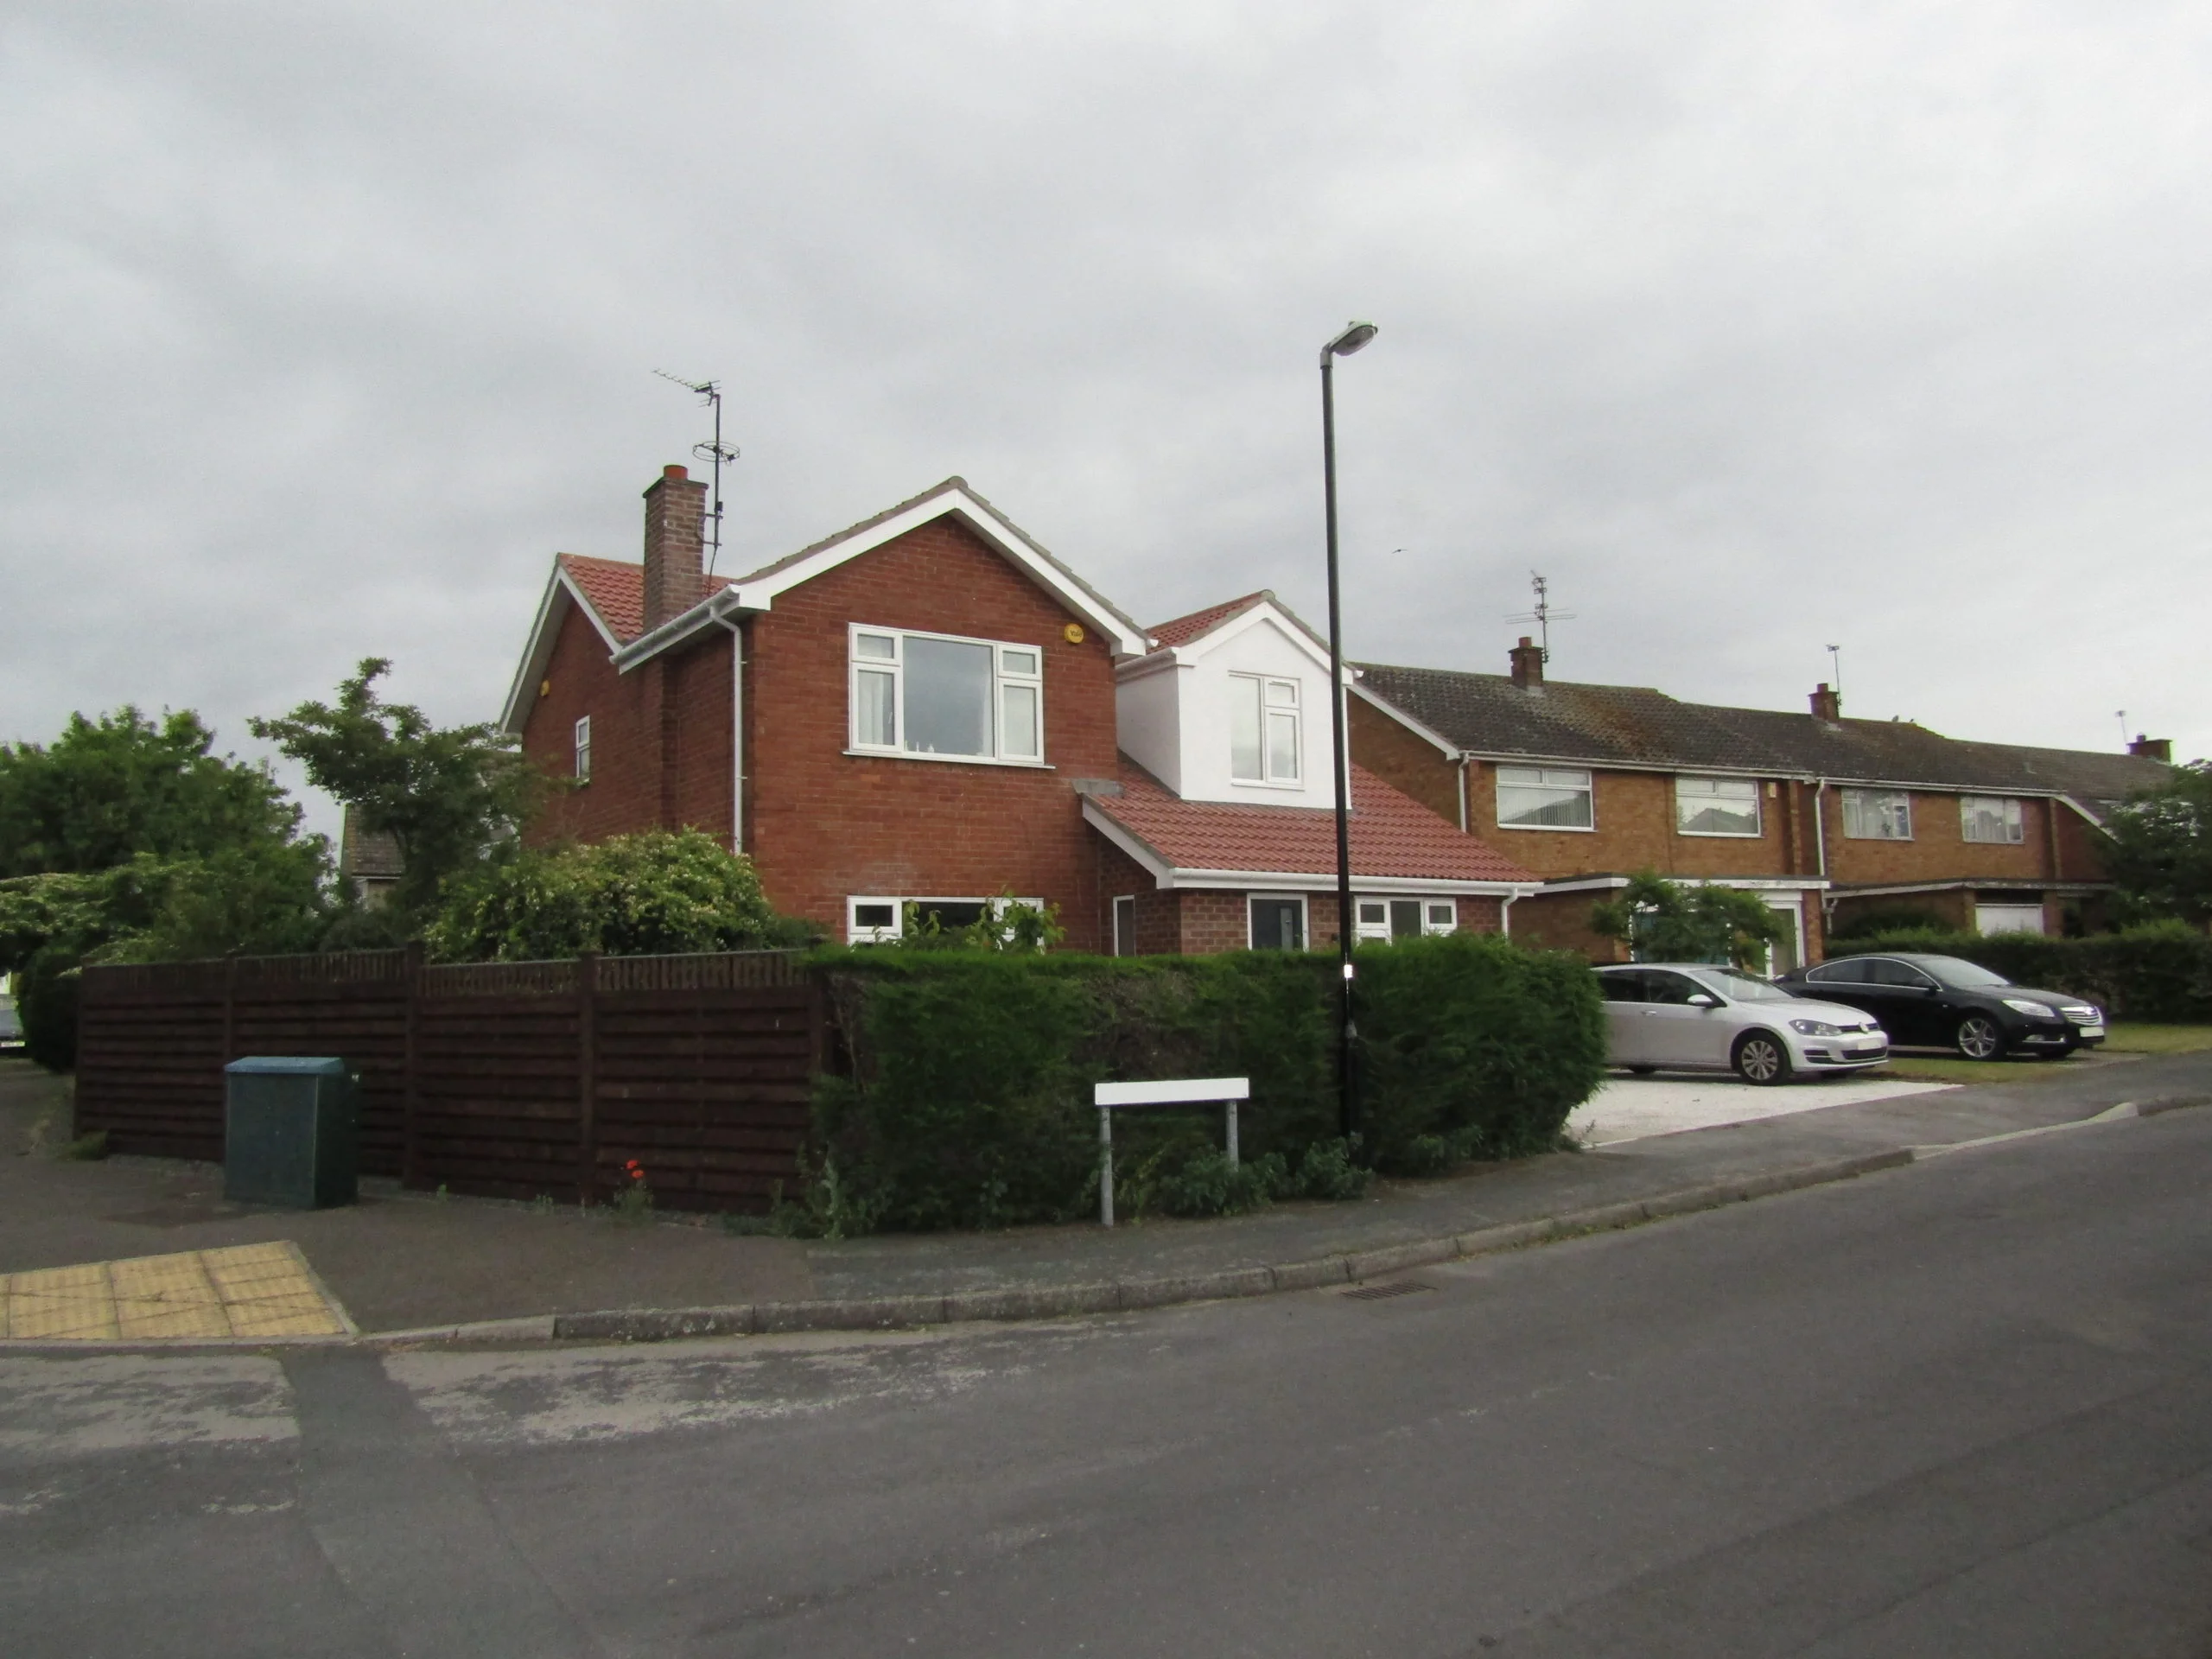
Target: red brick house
[930, 707]
[1220, 833]
[907, 709]
[1824, 818]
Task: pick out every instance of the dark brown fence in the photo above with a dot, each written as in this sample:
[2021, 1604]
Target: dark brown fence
[508, 1079]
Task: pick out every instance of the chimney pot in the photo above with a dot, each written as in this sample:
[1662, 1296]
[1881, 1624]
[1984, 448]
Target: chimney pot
[1826, 704]
[1527, 660]
[2152, 748]
[676, 523]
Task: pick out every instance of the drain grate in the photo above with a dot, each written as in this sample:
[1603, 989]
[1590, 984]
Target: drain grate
[1381, 1293]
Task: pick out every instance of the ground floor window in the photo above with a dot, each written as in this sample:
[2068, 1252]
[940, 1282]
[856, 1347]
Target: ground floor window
[1125, 925]
[875, 918]
[1405, 918]
[2009, 916]
[1277, 924]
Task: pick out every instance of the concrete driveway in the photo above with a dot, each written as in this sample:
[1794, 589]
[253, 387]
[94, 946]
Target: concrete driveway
[1630, 1108]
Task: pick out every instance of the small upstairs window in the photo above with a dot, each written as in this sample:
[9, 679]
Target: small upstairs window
[1263, 738]
[1877, 815]
[1989, 817]
[583, 750]
[1716, 806]
[1543, 797]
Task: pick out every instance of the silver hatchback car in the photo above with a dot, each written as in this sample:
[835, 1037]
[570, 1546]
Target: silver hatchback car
[1690, 1016]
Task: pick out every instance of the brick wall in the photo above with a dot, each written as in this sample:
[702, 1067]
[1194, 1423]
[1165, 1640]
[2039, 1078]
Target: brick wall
[1159, 913]
[823, 824]
[1635, 829]
[1413, 764]
[1937, 851]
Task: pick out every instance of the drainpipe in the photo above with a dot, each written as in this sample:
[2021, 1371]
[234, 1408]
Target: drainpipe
[1463, 799]
[736, 734]
[1821, 852]
[1505, 911]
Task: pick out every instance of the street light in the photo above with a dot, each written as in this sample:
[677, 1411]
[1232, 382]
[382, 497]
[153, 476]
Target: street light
[1354, 336]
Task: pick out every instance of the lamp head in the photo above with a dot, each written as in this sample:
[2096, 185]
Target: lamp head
[1355, 336]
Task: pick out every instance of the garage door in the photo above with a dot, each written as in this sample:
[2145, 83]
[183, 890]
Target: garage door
[2008, 918]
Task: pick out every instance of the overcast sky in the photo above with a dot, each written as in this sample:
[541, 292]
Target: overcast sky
[1757, 328]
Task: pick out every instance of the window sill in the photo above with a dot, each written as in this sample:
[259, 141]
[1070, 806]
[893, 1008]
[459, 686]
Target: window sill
[1723, 834]
[1268, 783]
[951, 759]
[1896, 840]
[1555, 828]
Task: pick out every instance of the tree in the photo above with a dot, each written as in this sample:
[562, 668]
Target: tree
[448, 796]
[107, 790]
[656, 893]
[1668, 921]
[2158, 846]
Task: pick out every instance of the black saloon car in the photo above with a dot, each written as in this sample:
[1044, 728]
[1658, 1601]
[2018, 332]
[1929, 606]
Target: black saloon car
[1926, 1001]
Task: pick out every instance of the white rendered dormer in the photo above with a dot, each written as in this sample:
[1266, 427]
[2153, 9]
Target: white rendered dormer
[1239, 712]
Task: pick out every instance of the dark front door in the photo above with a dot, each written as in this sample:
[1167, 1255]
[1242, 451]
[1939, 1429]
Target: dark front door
[1278, 925]
[1405, 918]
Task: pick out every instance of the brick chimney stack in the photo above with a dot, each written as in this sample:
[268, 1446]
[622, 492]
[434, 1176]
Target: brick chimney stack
[2152, 748]
[1827, 705]
[1528, 661]
[676, 521]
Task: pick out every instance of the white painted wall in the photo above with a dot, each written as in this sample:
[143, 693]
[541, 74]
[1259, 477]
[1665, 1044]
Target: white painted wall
[1174, 721]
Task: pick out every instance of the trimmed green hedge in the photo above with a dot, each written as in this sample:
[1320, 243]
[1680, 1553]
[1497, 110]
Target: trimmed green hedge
[2161, 973]
[967, 1099]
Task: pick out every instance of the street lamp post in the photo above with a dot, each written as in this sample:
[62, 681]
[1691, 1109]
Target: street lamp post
[1355, 336]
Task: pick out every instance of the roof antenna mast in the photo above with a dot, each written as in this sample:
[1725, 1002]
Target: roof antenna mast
[714, 452]
[2120, 715]
[1543, 615]
[1835, 671]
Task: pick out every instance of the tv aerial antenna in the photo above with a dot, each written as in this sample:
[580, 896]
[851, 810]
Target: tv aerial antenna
[714, 452]
[2120, 715]
[1835, 672]
[1543, 616]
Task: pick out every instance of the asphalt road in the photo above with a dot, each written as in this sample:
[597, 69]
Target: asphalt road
[1956, 1409]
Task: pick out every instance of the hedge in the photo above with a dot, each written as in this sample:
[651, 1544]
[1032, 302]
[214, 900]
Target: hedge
[965, 1100]
[2161, 973]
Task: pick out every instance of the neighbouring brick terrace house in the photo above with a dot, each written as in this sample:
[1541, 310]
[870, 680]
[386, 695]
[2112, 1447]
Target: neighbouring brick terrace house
[1824, 817]
[906, 710]
[1220, 832]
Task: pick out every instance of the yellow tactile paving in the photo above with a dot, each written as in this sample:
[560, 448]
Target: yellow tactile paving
[248, 1290]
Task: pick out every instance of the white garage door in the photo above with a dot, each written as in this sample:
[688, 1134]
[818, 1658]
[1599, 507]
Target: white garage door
[2008, 918]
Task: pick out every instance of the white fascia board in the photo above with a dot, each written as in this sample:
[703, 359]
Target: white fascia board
[1742, 883]
[706, 613]
[1449, 750]
[1325, 881]
[1127, 641]
[1957, 884]
[537, 650]
[2094, 820]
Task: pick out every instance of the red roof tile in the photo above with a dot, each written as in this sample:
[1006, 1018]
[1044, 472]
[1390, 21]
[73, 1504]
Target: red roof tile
[617, 591]
[1392, 834]
[1184, 629]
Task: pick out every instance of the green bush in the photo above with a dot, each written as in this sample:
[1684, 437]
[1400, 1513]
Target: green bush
[657, 893]
[967, 1098]
[1881, 921]
[2161, 972]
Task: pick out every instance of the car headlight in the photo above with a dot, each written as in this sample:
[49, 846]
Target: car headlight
[2021, 1005]
[1815, 1028]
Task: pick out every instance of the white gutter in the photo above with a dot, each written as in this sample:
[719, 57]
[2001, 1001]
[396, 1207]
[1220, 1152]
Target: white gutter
[736, 735]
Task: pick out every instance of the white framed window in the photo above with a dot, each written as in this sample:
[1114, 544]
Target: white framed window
[1380, 919]
[1716, 806]
[939, 696]
[876, 918]
[1276, 921]
[583, 750]
[1989, 818]
[1544, 798]
[1125, 925]
[1264, 730]
[1877, 815]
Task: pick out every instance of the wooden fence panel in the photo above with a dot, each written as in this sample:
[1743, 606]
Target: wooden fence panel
[506, 1079]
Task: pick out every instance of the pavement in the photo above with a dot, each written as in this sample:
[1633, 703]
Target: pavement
[410, 1265]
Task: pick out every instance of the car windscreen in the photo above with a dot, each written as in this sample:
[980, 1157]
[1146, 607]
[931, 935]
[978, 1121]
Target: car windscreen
[1739, 987]
[1962, 976]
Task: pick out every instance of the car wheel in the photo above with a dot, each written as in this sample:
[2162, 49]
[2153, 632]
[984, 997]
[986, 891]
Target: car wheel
[1979, 1038]
[1642, 1070]
[1760, 1058]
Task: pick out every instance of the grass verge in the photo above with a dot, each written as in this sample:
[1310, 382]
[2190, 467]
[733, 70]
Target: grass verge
[2022, 1068]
